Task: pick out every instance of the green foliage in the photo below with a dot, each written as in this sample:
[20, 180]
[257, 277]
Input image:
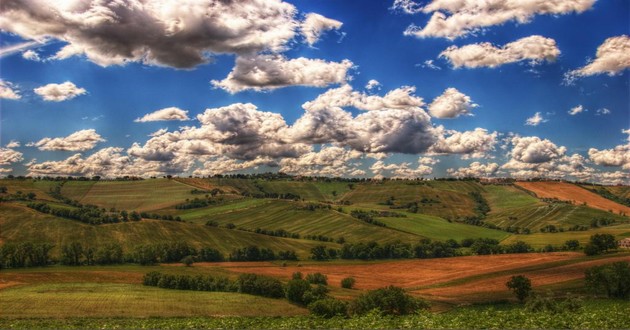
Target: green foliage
[374, 250]
[296, 289]
[252, 253]
[572, 245]
[521, 286]
[317, 278]
[188, 261]
[26, 254]
[600, 243]
[612, 279]
[519, 247]
[389, 301]
[72, 254]
[547, 303]
[260, 285]
[348, 282]
[328, 308]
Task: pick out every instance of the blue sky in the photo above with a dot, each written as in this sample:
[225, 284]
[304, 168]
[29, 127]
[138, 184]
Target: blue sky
[77, 76]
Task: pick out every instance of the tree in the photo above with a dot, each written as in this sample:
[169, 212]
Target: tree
[319, 253]
[348, 282]
[328, 307]
[572, 244]
[613, 279]
[600, 243]
[71, 254]
[188, 261]
[390, 300]
[296, 289]
[521, 286]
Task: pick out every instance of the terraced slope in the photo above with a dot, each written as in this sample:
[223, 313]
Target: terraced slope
[21, 224]
[570, 192]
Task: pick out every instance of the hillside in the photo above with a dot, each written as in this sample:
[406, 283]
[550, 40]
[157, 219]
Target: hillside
[572, 193]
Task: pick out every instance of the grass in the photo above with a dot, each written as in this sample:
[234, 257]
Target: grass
[145, 195]
[20, 224]
[446, 203]
[286, 215]
[63, 300]
[439, 229]
[537, 216]
[501, 198]
[539, 240]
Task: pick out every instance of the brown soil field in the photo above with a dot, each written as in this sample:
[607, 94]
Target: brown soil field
[405, 273]
[475, 290]
[570, 192]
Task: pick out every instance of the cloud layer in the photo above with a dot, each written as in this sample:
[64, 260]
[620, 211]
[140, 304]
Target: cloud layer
[171, 113]
[78, 141]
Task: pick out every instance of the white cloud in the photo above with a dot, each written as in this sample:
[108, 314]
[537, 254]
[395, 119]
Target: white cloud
[399, 170]
[577, 109]
[602, 111]
[406, 6]
[329, 161]
[373, 84]
[9, 156]
[267, 72]
[171, 113]
[31, 55]
[535, 120]
[471, 144]
[13, 144]
[613, 56]
[475, 169]
[617, 156]
[428, 161]
[314, 24]
[20, 47]
[176, 33]
[535, 49]
[533, 150]
[8, 91]
[59, 92]
[430, 65]
[451, 104]
[457, 18]
[78, 141]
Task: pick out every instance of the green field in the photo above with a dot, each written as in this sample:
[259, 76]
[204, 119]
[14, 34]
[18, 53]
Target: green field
[286, 215]
[439, 229]
[539, 240]
[66, 300]
[502, 198]
[20, 224]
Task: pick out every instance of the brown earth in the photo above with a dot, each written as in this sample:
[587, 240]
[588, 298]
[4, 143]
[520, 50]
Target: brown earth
[471, 291]
[570, 192]
[204, 184]
[406, 273]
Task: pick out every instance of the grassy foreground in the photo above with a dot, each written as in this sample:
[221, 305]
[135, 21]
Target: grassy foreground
[603, 314]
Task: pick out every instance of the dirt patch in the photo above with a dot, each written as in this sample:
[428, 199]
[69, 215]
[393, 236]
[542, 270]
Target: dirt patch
[492, 285]
[570, 192]
[7, 284]
[406, 273]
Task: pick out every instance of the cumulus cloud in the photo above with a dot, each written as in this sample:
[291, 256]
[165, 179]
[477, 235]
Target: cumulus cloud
[314, 24]
[403, 170]
[475, 169]
[31, 55]
[221, 165]
[328, 161]
[59, 92]
[451, 104]
[533, 150]
[428, 161]
[78, 141]
[172, 33]
[535, 49]
[171, 113]
[8, 91]
[470, 144]
[267, 72]
[577, 109]
[13, 144]
[9, 156]
[613, 57]
[452, 19]
[391, 123]
[535, 120]
[373, 84]
[617, 156]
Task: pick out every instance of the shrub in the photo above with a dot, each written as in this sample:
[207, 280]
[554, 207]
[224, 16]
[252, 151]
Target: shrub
[188, 261]
[600, 243]
[521, 286]
[314, 294]
[296, 289]
[328, 308]
[390, 300]
[612, 279]
[348, 282]
[260, 285]
[297, 276]
[317, 278]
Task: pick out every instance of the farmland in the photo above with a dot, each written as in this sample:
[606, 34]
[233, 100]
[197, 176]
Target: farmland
[284, 214]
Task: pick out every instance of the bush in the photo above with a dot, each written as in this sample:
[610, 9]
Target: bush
[521, 286]
[296, 289]
[260, 285]
[314, 294]
[317, 278]
[188, 261]
[390, 300]
[612, 279]
[600, 243]
[348, 282]
[328, 308]
[546, 303]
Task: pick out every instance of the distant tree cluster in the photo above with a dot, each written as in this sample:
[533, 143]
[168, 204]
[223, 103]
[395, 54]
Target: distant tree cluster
[367, 217]
[89, 214]
[254, 253]
[26, 254]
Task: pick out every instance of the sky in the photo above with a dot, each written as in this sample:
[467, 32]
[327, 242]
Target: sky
[351, 88]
